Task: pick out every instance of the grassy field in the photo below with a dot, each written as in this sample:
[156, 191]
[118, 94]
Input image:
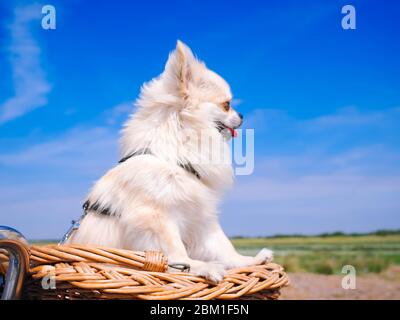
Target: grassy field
[328, 254]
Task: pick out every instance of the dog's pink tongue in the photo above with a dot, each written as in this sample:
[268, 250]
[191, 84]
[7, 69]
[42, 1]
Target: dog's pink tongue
[233, 132]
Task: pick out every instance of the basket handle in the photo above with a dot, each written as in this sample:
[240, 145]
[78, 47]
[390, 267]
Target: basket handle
[14, 243]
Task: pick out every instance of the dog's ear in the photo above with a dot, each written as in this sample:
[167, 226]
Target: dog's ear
[178, 67]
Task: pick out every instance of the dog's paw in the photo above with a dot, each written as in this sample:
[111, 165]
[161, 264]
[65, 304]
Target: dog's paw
[214, 272]
[264, 256]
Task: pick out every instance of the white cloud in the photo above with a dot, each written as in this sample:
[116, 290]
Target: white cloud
[84, 149]
[351, 116]
[117, 113]
[42, 186]
[338, 171]
[30, 84]
[287, 196]
[81, 150]
[348, 117]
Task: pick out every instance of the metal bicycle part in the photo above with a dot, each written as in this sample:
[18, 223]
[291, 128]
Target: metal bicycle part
[183, 267]
[16, 246]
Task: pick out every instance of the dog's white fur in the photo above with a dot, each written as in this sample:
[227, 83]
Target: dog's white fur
[155, 203]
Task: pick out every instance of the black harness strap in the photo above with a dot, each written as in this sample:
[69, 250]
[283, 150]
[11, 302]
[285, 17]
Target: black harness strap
[186, 166]
[136, 153]
[96, 207]
[106, 211]
[189, 168]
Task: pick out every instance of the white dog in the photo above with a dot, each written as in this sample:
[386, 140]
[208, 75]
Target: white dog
[163, 195]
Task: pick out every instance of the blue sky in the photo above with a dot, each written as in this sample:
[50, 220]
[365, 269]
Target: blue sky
[324, 103]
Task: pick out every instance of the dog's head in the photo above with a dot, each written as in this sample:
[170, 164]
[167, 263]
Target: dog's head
[194, 91]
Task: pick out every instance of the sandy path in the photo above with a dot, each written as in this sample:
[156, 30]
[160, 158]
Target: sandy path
[372, 286]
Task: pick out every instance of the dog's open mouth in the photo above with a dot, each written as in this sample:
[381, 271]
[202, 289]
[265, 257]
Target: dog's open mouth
[221, 127]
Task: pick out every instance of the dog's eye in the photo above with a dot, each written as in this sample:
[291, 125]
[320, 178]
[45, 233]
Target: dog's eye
[226, 105]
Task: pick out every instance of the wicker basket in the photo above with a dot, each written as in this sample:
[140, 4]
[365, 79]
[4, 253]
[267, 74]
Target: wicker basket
[91, 272]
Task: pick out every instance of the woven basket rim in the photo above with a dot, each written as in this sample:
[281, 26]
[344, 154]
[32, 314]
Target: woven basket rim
[96, 272]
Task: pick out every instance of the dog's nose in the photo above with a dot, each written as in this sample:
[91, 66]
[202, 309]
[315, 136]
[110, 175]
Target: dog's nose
[240, 115]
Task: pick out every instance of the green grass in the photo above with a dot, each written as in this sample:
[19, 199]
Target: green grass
[328, 254]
